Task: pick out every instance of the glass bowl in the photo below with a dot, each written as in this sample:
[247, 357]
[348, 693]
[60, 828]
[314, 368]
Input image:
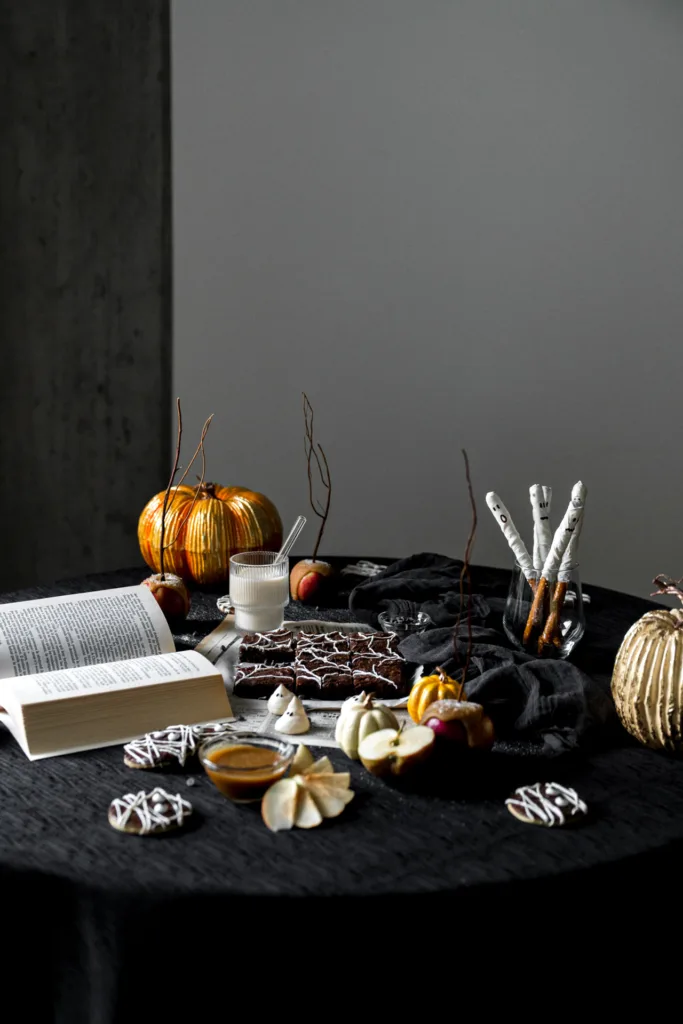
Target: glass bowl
[404, 625]
[243, 765]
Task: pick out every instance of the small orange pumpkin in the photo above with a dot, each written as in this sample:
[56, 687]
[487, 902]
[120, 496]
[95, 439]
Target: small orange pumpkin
[429, 689]
[223, 522]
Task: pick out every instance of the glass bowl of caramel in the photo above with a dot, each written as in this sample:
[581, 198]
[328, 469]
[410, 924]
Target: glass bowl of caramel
[243, 765]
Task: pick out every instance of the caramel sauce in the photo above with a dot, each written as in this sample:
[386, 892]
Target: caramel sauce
[255, 769]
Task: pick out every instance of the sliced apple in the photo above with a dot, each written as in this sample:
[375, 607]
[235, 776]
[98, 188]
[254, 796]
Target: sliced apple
[330, 802]
[303, 760]
[322, 765]
[396, 752]
[278, 806]
[307, 814]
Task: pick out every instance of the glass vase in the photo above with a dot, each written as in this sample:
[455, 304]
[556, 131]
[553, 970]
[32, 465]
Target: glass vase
[559, 623]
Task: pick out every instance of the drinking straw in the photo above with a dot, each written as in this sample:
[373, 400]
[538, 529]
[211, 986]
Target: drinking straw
[291, 538]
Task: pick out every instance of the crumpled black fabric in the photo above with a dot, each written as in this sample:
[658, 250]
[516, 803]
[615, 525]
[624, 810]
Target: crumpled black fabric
[553, 705]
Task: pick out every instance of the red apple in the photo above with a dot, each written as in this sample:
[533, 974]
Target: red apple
[171, 595]
[459, 721]
[308, 579]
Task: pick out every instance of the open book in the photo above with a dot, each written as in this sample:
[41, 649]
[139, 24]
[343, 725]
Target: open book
[91, 670]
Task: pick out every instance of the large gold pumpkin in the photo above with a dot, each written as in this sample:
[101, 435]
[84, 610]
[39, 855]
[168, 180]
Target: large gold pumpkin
[647, 684]
[224, 521]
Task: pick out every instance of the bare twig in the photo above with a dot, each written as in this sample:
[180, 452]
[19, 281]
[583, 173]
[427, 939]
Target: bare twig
[465, 573]
[198, 488]
[316, 452]
[168, 489]
[668, 586]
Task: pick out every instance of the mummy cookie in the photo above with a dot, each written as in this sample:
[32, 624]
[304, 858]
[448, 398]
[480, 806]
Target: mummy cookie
[546, 803]
[148, 814]
[174, 743]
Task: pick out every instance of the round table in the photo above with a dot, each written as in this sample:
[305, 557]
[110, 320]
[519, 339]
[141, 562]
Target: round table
[109, 903]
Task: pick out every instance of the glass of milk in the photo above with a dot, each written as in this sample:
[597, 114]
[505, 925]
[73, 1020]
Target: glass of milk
[259, 590]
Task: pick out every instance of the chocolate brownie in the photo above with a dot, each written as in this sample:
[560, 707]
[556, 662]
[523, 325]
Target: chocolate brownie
[327, 643]
[311, 655]
[373, 643]
[274, 648]
[323, 679]
[261, 680]
[366, 662]
[384, 678]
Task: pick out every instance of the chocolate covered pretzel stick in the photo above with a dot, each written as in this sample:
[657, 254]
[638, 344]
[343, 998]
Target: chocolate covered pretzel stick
[511, 534]
[551, 632]
[563, 535]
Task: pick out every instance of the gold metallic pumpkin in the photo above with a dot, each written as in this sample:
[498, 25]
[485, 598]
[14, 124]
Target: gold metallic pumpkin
[647, 683]
[223, 522]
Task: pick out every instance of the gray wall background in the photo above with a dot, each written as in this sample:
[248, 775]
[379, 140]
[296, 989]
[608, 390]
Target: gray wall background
[454, 223]
[85, 304]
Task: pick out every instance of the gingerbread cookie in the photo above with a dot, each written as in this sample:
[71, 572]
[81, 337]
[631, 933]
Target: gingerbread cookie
[174, 743]
[146, 814]
[546, 803]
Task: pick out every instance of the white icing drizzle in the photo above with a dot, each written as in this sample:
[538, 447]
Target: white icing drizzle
[262, 672]
[176, 741]
[373, 674]
[549, 803]
[371, 640]
[320, 671]
[376, 656]
[154, 811]
[278, 640]
[334, 640]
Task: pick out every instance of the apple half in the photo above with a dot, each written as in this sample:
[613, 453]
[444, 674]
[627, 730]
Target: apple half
[396, 751]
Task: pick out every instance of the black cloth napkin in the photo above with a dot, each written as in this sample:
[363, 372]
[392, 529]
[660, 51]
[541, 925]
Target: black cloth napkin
[553, 705]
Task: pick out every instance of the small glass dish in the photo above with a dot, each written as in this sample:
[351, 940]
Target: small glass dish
[404, 625]
[243, 765]
[556, 637]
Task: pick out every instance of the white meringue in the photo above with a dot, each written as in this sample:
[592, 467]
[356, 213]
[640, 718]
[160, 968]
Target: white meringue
[279, 700]
[295, 720]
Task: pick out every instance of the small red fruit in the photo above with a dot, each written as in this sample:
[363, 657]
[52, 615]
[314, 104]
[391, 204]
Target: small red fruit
[308, 580]
[171, 595]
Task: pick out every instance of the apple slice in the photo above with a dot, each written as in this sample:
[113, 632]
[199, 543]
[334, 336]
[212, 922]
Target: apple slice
[307, 814]
[322, 766]
[278, 806]
[303, 760]
[330, 802]
[396, 752]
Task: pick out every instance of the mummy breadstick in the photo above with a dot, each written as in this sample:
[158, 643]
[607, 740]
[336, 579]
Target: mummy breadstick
[511, 534]
[551, 566]
[542, 533]
[551, 632]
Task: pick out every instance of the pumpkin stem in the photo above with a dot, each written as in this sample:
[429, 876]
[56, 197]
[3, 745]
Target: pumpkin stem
[668, 585]
[312, 451]
[168, 490]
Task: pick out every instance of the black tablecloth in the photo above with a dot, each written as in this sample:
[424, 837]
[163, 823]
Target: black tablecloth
[110, 908]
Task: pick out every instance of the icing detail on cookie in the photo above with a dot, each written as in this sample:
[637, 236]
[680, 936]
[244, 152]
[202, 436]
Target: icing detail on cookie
[176, 742]
[546, 803]
[149, 812]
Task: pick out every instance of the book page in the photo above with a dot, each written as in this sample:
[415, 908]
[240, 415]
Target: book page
[58, 633]
[92, 679]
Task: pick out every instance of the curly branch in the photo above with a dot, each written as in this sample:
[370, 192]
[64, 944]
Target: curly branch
[315, 452]
[466, 574]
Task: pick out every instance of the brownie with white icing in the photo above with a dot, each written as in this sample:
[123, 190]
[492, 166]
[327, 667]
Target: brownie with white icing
[258, 680]
[274, 648]
[366, 662]
[373, 643]
[322, 652]
[385, 677]
[323, 679]
[335, 639]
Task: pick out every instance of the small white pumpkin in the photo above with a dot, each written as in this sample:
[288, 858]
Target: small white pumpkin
[647, 683]
[359, 720]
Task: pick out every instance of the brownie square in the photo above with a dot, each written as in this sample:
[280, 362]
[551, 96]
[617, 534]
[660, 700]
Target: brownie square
[373, 643]
[323, 680]
[274, 648]
[385, 677]
[324, 643]
[366, 662]
[261, 680]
